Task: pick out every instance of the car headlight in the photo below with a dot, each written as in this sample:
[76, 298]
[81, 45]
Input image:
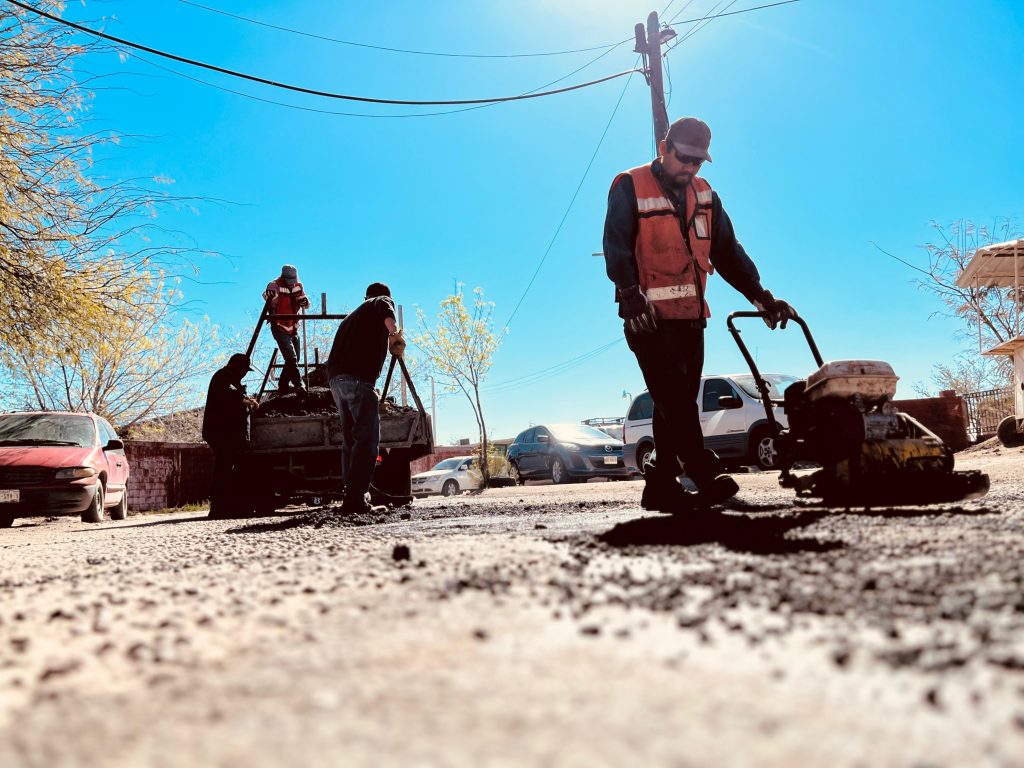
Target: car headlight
[75, 473]
[571, 446]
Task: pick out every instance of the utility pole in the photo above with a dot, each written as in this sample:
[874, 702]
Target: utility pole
[648, 43]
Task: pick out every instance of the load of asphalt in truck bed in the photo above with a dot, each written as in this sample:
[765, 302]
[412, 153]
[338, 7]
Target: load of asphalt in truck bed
[318, 401]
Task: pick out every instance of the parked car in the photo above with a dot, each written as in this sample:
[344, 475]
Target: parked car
[731, 416]
[61, 463]
[565, 453]
[449, 477]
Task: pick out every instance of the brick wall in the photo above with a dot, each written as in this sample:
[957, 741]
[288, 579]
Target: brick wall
[441, 452]
[167, 474]
[945, 415]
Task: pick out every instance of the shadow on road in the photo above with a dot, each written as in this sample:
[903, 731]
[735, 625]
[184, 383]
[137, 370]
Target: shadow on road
[765, 536]
[895, 512]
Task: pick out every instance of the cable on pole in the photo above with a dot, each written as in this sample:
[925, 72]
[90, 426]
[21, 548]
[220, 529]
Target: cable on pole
[445, 54]
[301, 89]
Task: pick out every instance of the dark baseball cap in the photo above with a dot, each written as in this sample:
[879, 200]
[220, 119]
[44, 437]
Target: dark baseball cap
[238, 361]
[690, 136]
[289, 274]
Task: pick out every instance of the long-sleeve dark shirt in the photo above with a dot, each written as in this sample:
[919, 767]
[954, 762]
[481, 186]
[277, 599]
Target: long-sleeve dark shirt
[620, 231]
[225, 418]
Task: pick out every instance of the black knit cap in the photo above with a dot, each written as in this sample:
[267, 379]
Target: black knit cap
[373, 290]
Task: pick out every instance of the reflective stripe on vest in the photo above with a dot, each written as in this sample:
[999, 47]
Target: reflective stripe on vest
[672, 275]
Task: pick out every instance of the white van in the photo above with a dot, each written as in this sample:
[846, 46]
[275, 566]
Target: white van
[735, 429]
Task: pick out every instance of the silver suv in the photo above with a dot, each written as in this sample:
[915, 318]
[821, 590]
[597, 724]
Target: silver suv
[731, 417]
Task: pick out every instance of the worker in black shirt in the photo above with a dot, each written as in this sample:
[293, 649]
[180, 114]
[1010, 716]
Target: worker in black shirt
[353, 366]
[226, 428]
[665, 232]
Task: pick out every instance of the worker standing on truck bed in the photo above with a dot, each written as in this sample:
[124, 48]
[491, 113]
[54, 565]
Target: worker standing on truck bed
[664, 233]
[353, 367]
[226, 429]
[286, 296]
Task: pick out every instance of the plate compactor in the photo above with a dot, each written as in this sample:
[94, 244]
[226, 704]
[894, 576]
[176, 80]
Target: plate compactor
[871, 455]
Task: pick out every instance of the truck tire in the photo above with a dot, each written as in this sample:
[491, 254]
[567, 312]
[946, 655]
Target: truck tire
[450, 488]
[6, 520]
[1008, 432]
[94, 514]
[763, 451]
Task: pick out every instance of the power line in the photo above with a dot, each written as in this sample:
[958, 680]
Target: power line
[301, 89]
[711, 17]
[571, 202]
[550, 372]
[303, 33]
[243, 94]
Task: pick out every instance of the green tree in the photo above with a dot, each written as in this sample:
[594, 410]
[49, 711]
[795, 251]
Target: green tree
[149, 362]
[73, 244]
[459, 349]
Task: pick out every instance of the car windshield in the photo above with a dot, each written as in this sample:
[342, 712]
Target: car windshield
[778, 383]
[449, 463]
[572, 432]
[46, 429]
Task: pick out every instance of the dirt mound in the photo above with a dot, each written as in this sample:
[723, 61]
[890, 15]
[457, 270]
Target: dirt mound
[991, 446]
[318, 401]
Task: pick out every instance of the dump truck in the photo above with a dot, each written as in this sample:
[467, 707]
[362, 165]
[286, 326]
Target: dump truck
[294, 449]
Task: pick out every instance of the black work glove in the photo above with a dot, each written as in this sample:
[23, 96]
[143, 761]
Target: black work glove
[777, 312]
[304, 302]
[637, 311]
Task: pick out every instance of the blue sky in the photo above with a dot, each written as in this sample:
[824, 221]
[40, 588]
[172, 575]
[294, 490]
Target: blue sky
[836, 124]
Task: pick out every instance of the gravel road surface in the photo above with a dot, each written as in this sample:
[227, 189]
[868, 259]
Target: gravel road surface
[523, 626]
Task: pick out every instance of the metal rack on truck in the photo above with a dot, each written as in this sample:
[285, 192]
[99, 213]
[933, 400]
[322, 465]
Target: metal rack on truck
[294, 450]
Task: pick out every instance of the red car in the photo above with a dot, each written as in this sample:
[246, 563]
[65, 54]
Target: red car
[61, 463]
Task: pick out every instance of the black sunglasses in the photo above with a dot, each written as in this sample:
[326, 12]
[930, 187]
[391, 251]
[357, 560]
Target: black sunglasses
[686, 159]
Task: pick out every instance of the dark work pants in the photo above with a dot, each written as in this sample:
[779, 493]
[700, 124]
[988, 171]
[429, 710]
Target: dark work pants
[225, 463]
[672, 360]
[359, 410]
[288, 343]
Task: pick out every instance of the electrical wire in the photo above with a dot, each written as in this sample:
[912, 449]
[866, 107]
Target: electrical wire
[575, 194]
[550, 372]
[243, 94]
[302, 89]
[711, 17]
[399, 50]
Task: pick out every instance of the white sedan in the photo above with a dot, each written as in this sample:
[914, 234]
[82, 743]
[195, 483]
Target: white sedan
[449, 478]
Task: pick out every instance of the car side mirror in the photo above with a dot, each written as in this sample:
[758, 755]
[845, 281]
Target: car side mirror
[114, 445]
[542, 438]
[729, 402]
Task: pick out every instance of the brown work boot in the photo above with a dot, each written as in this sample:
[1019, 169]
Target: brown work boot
[668, 497]
[718, 490]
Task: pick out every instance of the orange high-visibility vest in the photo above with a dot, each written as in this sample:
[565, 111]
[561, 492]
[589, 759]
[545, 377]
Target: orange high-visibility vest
[672, 275]
[285, 303]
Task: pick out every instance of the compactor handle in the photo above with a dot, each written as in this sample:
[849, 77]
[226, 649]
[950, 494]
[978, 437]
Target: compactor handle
[797, 319]
[759, 380]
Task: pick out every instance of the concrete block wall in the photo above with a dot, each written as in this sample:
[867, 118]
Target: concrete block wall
[945, 415]
[166, 475]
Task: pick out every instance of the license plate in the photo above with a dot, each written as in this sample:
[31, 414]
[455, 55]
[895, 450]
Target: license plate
[10, 496]
[611, 460]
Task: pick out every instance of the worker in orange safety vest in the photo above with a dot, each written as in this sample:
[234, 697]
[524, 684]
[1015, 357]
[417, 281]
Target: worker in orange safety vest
[665, 233]
[286, 297]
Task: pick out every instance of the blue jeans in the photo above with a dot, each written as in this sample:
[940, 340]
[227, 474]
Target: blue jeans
[359, 410]
[288, 343]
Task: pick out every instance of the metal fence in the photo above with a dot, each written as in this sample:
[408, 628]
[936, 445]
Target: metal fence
[986, 409]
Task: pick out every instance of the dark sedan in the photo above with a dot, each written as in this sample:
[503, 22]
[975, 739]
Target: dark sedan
[565, 453]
